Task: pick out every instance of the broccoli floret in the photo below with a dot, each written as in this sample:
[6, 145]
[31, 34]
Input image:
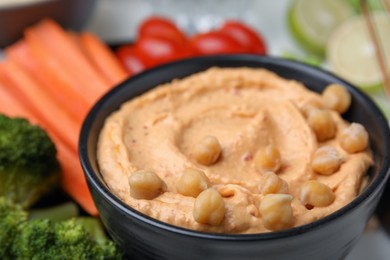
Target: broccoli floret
[44, 239]
[21, 238]
[11, 217]
[71, 234]
[33, 238]
[28, 164]
[94, 228]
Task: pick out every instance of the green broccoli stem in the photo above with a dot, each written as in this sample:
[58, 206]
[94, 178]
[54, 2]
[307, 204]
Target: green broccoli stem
[42, 238]
[94, 227]
[57, 213]
[70, 210]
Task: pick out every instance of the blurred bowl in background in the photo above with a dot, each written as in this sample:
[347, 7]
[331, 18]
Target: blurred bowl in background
[17, 15]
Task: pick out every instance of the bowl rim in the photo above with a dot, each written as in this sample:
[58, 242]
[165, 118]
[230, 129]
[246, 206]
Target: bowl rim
[371, 190]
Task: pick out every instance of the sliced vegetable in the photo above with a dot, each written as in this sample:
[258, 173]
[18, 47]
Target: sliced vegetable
[374, 5]
[154, 51]
[11, 106]
[130, 59]
[161, 41]
[215, 43]
[40, 67]
[160, 27]
[72, 177]
[40, 103]
[311, 22]
[54, 69]
[103, 58]
[61, 46]
[49, 79]
[351, 53]
[73, 181]
[246, 36]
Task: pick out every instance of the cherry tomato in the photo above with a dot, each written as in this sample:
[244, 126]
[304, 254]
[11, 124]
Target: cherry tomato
[154, 51]
[160, 27]
[215, 43]
[130, 60]
[245, 35]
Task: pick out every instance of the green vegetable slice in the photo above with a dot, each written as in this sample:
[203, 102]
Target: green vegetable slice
[311, 22]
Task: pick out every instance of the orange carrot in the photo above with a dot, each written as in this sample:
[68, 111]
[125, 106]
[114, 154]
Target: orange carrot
[40, 104]
[72, 178]
[73, 181]
[47, 72]
[103, 58]
[74, 36]
[11, 107]
[56, 68]
[50, 80]
[58, 44]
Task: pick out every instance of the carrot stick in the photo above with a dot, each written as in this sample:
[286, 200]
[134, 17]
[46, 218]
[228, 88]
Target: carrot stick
[103, 58]
[58, 44]
[75, 39]
[47, 73]
[11, 107]
[73, 181]
[40, 104]
[24, 92]
[72, 178]
[56, 68]
[19, 52]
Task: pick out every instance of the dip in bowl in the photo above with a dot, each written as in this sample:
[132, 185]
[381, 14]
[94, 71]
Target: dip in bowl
[145, 237]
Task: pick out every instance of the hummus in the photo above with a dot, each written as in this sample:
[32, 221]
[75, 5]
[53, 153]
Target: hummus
[245, 109]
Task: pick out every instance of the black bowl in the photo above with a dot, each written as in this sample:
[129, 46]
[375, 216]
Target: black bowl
[142, 237]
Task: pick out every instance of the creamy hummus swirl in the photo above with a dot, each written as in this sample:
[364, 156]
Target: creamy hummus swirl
[245, 109]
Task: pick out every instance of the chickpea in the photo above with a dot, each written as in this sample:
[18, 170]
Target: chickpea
[337, 98]
[267, 159]
[326, 160]
[146, 185]
[312, 104]
[316, 194]
[209, 208]
[354, 138]
[192, 182]
[207, 151]
[321, 122]
[276, 211]
[272, 183]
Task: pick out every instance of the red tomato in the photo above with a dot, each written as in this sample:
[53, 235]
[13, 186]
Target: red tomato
[161, 28]
[154, 51]
[245, 35]
[129, 59]
[214, 43]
